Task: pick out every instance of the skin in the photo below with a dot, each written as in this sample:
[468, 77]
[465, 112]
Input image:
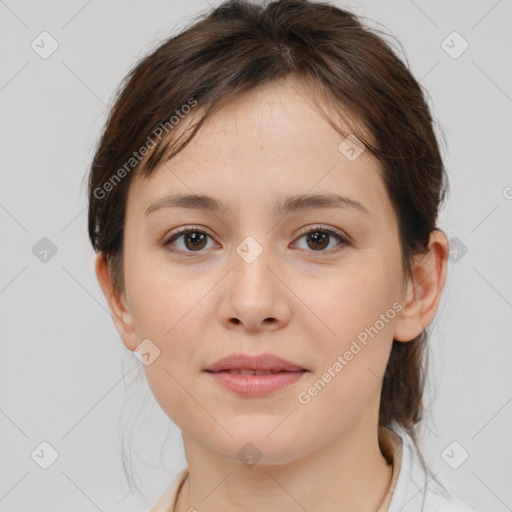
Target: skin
[299, 303]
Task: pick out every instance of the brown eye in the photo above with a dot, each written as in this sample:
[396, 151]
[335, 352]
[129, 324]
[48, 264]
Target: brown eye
[193, 240]
[319, 239]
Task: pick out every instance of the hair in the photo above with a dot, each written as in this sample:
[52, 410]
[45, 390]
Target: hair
[346, 67]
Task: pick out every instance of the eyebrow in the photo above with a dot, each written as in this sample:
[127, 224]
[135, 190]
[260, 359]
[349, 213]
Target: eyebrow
[283, 206]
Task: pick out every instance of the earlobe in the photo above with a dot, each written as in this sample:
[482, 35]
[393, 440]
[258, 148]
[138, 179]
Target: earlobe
[119, 311]
[423, 289]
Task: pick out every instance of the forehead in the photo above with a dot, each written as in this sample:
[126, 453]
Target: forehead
[275, 118]
[271, 141]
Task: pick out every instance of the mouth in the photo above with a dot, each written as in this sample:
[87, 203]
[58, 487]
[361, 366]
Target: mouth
[248, 371]
[248, 383]
[255, 376]
[262, 364]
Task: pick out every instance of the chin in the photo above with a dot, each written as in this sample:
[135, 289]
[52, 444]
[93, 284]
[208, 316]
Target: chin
[252, 446]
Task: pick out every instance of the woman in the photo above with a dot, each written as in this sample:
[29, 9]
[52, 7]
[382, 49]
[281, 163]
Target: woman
[263, 203]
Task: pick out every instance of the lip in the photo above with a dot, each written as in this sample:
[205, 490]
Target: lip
[256, 385]
[284, 374]
[261, 362]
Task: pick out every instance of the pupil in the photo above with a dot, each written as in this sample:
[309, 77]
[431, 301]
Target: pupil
[318, 237]
[196, 239]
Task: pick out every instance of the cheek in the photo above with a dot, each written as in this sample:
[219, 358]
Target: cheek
[353, 300]
[168, 307]
[158, 295]
[171, 317]
[358, 310]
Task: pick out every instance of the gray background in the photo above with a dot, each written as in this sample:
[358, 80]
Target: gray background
[62, 363]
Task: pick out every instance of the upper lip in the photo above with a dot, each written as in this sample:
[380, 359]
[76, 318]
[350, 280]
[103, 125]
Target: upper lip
[262, 362]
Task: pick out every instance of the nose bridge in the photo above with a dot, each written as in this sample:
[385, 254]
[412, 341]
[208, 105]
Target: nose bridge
[254, 296]
[251, 277]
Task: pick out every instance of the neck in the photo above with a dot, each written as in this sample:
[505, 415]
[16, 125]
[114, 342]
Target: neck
[348, 474]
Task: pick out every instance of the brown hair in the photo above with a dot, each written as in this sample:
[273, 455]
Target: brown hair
[345, 66]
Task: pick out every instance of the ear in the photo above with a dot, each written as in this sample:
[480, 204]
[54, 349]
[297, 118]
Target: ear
[117, 304]
[423, 289]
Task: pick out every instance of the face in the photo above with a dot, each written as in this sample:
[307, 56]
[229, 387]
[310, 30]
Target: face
[248, 278]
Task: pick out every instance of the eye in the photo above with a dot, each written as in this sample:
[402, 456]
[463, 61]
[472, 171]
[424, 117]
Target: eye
[318, 238]
[194, 240]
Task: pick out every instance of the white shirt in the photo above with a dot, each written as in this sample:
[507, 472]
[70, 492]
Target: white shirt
[411, 488]
[415, 490]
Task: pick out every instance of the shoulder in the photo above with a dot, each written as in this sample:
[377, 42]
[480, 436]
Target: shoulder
[167, 501]
[438, 503]
[416, 489]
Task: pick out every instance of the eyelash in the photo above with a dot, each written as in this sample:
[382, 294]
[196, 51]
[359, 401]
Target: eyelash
[315, 229]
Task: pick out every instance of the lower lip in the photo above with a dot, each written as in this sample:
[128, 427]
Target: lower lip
[256, 385]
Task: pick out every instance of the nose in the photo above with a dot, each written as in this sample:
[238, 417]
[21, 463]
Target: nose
[253, 297]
